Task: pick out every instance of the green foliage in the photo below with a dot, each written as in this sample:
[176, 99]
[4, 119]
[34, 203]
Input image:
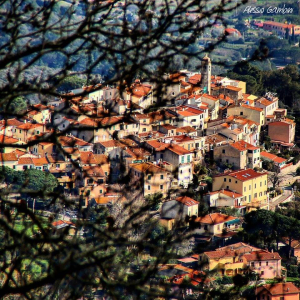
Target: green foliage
[35, 180]
[154, 201]
[224, 280]
[292, 271]
[71, 82]
[229, 211]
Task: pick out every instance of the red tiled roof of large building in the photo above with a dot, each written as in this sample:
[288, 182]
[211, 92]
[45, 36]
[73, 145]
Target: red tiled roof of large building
[91, 171]
[230, 31]
[11, 122]
[273, 157]
[186, 129]
[233, 88]
[187, 201]
[157, 145]
[101, 159]
[239, 248]
[264, 101]
[28, 126]
[215, 218]
[4, 139]
[8, 157]
[243, 175]
[25, 161]
[178, 149]
[279, 289]
[220, 254]
[39, 161]
[214, 98]
[252, 107]
[71, 141]
[262, 255]
[139, 89]
[148, 168]
[195, 79]
[242, 146]
[87, 158]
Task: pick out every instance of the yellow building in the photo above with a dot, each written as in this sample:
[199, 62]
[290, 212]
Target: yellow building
[251, 184]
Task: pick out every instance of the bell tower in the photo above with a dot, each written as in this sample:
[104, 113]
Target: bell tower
[206, 74]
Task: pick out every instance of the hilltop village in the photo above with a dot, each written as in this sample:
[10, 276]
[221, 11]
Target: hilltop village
[206, 143]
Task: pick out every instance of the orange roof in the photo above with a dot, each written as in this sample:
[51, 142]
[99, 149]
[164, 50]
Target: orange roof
[4, 139]
[178, 149]
[242, 146]
[264, 102]
[240, 248]
[8, 157]
[282, 288]
[87, 158]
[11, 122]
[158, 146]
[187, 129]
[27, 126]
[147, 168]
[262, 255]
[215, 218]
[210, 97]
[185, 113]
[273, 157]
[232, 31]
[71, 141]
[39, 161]
[139, 90]
[187, 201]
[25, 161]
[93, 171]
[251, 107]
[220, 254]
[195, 79]
[233, 88]
[243, 175]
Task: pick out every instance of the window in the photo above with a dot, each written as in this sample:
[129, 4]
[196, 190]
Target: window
[241, 113]
[57, 165]
[249, 187]
[149, 187]
[205, 227]
[252, 264]
[182, 159]
[223, 151]
[244, 189]
[259, 263]
[224, 179]
[236, 181]
[188, 158]
[105, 173]
[149, 177]
[262, 273]
[144, 129]
[267, 263]
[161, 187]
[260, 184]
[161, 156]
[161, 176]
[229, 180]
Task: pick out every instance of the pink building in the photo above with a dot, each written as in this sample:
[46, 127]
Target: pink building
[265, 264]
[282, 133]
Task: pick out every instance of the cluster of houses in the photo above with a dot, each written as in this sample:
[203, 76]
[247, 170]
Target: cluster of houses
[239, 258]
[106, 133]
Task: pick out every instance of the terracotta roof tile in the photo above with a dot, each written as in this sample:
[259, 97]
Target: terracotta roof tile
[279, 289]
[215, 218]
[187, 201]
[262, 255]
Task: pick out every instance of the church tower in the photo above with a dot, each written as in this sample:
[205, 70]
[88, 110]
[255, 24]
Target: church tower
[206, 74]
